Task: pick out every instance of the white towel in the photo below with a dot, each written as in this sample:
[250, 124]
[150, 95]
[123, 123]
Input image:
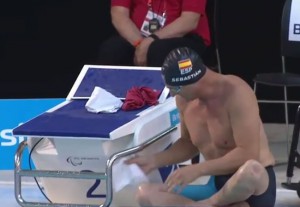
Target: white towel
[103, 101]
[124, 175]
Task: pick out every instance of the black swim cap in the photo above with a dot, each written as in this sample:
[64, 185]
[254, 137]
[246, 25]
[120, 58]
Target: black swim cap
[182, 66]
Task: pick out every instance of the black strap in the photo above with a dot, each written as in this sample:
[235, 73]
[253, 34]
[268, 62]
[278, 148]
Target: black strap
[154, 36]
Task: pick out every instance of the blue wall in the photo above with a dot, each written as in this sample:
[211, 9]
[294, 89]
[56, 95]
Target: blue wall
[14, 112]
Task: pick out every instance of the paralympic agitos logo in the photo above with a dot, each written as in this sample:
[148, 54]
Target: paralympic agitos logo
[75, 161]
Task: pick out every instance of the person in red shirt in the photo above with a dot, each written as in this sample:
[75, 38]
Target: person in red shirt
[149, 29]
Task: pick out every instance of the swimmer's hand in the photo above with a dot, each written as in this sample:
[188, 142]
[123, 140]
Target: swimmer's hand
[146, 163]
[182, 177]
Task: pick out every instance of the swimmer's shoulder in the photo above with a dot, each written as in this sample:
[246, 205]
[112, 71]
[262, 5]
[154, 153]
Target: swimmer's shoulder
[181, 103]
[236, 81]
[238, 91]
[237, 85]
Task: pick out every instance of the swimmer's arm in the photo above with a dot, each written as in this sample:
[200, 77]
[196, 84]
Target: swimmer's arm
[182, 150]
[245, 121]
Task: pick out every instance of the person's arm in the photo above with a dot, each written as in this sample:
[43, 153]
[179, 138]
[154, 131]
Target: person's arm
[182, 150]
[184, 24]
[245, 122]
[187, 22]
[124, 25]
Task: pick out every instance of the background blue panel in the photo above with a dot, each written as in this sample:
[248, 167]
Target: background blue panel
[14, 112]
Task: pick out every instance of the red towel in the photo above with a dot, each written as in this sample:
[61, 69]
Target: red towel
[149, 95]
[137, 97]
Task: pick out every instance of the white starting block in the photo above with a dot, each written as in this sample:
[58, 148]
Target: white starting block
[75, 152]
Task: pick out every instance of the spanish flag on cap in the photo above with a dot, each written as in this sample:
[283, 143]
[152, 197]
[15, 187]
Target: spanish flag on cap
[184, 65]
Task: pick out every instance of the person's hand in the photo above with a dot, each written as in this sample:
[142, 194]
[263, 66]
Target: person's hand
[147, 164]
[181, 177]
[140, 55]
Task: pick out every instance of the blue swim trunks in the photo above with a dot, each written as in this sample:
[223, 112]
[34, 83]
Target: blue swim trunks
[200, 192]
[215, 183]
[267, 199]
